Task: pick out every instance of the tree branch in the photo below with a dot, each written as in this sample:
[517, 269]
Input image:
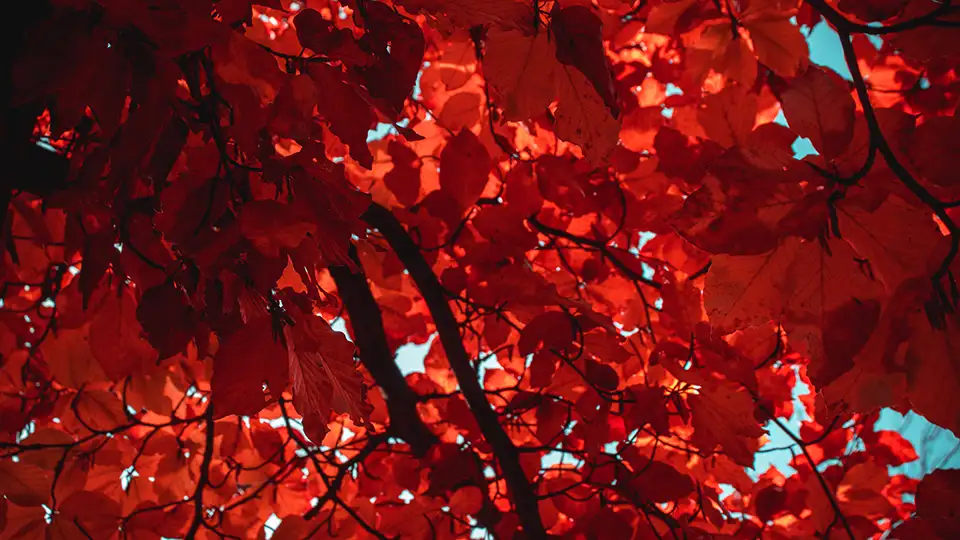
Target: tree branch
[508, 457]
[846, 26]
[366, 321]
[604, 249]
[844, 29]
[204, 478]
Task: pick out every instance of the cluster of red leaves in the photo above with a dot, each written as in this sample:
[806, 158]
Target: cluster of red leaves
[191, 198]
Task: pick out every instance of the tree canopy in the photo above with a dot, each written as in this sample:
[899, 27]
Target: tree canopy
[226, 223]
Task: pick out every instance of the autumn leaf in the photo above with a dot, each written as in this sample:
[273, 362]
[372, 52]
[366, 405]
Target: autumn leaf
[323, 37]
[717, 49]
[70, 358]
[421, 268]
[931, 140]
[933, 368]
[349, 114]
[24, 484]
[933, 495]
[323, 375]
[582, 116]
[898, 239]
[239, 60]
[722, 415]
[578, 33]
[663, 16]
[466, 14]
[167, 318]
[520, 70]
[818, 106]
[246, 360]
[272, 226]
[728, 117]
[777, 42]
[464, 165]
[116, 335]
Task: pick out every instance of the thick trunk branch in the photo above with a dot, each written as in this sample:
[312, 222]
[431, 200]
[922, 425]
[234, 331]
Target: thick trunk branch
[433, 293]
[366, 321]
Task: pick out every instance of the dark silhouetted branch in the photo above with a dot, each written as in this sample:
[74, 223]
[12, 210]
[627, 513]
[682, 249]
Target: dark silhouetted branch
[366, 321]
[508, 457]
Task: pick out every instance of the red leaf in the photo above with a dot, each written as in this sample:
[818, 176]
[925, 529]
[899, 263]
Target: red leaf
[24, 484]
[889, 447]
[578, 32]
[98, 253]
[238, 60]
[464, 166]
[936, 501]
[466, 500]
[89, 513]
[933, 139]
[769, 502]
[167, 318]
[602, 376]
[549, 330]
[658, 482]
[248, 358]
[272, 226]
[324, 38]
[348, 113]
[324, 375]
[398, 46]
[116, 335]
[818, 106]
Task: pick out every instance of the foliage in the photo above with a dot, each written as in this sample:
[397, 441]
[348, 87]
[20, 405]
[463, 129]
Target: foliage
[192, 205]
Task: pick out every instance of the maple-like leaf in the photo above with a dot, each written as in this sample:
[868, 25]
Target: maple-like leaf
[722, 414]
[70, 358]
[272, 226]
[810, 288]
[717, 49]
[323, 37]
[116, 335]
[167, 318]
[932, 364]
[578, 33]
